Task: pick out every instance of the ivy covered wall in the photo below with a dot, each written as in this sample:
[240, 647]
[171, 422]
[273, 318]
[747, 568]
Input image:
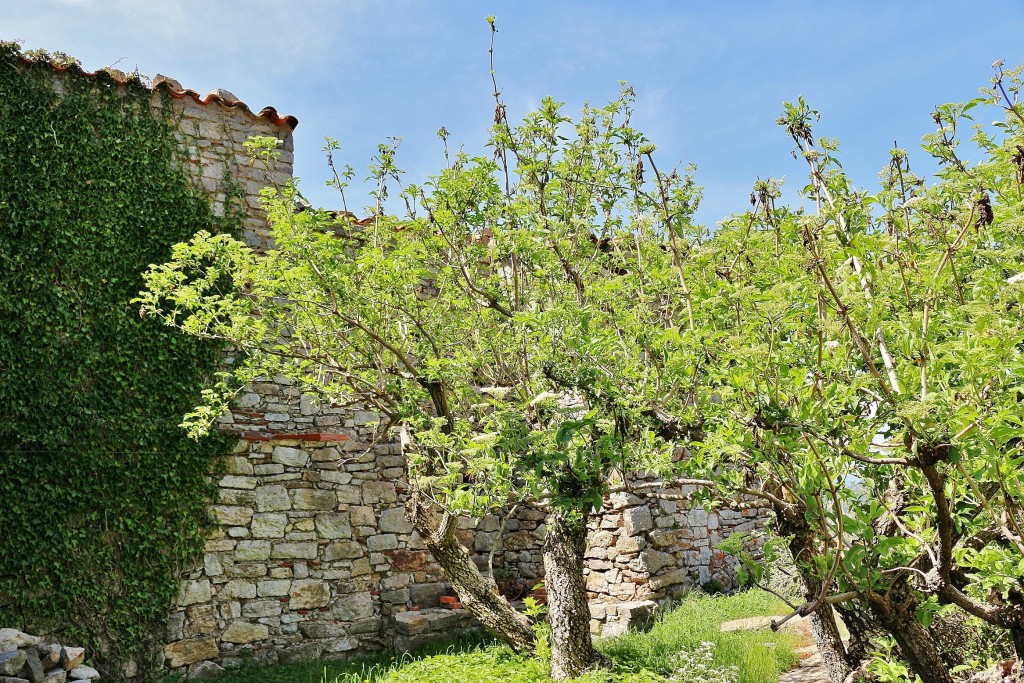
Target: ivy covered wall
[102, 496]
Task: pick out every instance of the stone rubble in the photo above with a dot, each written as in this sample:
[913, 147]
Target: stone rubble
[31, 659]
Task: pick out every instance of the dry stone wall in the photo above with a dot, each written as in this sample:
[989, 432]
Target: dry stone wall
[312, 555]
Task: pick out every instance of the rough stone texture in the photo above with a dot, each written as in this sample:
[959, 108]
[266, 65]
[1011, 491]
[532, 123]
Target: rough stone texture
[28, 659]
[312, 555]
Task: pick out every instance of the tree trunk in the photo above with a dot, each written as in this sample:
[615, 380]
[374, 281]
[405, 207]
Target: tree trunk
[478, 593]
[896, 612]
[572, 649]
[826, 634]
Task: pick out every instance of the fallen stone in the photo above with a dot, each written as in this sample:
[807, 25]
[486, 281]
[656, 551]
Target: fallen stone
[18, 638]
[56, 676]
[33, 667]
[11, 662]
[84, 673]
[203, 670]
[71, 657]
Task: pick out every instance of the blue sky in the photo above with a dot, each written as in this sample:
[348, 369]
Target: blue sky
[710, 76]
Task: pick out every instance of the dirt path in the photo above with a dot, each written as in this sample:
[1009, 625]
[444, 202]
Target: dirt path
[810, 669]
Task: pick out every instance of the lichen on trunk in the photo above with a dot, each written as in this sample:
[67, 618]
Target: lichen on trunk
[572, 648]
[479, 593]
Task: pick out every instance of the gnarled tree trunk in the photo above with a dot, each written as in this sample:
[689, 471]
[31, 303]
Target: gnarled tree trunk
[896, 612]
[478, 593]
[827, 639]
[572, 648]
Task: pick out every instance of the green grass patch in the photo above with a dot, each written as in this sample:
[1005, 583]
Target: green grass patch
[650, 657]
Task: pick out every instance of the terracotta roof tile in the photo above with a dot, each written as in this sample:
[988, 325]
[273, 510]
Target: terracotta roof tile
[175, 90]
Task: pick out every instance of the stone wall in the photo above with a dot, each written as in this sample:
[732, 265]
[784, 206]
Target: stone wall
[213, 130]
[313, 555]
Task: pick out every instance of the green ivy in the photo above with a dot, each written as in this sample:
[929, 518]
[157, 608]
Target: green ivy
[102, 496]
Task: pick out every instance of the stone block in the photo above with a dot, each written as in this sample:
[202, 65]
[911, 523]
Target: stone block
[268, 525]
[379, 492]
[426, 594]
[305, 550]
[393, 520]
[382, 542]
[272, 498]
[308, 593]
[411, 623]
[637, 520]
[353, 607]
[238, 589]
[362, 515]
[256, 609]
[273, 588]
[342, 550]
[409, 560]
[323, 630]
[652, 561]
[252, 551]
[202, 621]
[241, 632]
[192, 592]
[673, 578]
[313, 499]
[602, 539]
[231, 515]
[333, 525]
[290, 457]
[184, 652]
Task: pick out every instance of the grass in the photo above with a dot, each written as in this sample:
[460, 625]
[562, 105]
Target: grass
[638, 657]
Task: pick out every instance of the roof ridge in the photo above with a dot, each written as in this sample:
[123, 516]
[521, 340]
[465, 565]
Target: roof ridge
[173, 88]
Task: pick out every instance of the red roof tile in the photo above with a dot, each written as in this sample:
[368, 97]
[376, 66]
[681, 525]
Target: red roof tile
[175, 90]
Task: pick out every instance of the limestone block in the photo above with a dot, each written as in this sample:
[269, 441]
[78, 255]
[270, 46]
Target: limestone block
[231, 515]
[379, 491]
[411, 623]
[382, 542]
[256, 609]
[679, 576]
[192, 592]
[252, 551]
[235, 481]
[353, 607]
[212, 565]
[602, 539]
[202, 620]
[272, 498]
[333, 525]
[342, 550]
[313, 499]
[290, 457]
[238, 588]
[268, 525]
[362, 515]
[426, 594]
[652, 561]
[245, 632]
[273, 588]
[393, 520]
[309, 593]
[637, 520]
[184, 652]
[303, 550]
